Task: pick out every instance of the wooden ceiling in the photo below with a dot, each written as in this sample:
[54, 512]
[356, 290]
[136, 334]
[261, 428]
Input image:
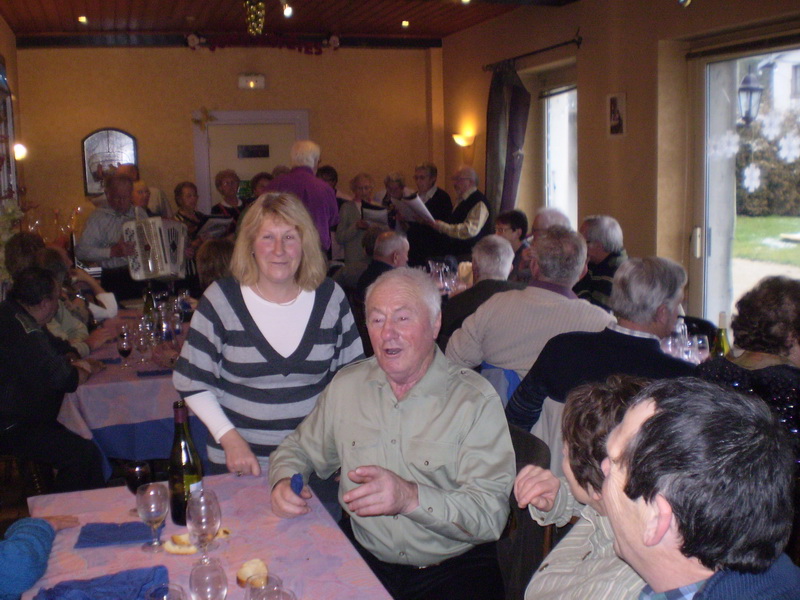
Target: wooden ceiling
[48, 23]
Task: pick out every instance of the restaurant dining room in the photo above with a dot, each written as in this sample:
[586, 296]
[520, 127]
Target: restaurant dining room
[221, 222]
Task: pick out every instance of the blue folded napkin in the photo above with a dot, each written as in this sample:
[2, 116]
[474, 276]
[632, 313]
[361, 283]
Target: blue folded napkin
[111, 361]
[127, 585]
[153, 373]
[94, 535]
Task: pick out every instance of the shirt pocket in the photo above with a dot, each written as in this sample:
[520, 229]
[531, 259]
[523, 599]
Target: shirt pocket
[362, 447]
[432, 462]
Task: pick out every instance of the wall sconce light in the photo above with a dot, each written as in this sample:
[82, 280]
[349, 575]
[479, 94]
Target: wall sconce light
[20, 151]
[463, 140]
[252, 81]
[749, 98]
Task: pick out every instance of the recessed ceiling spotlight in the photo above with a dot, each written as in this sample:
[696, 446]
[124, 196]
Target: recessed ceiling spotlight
[83, 20]
[287, 11]
[405, 24]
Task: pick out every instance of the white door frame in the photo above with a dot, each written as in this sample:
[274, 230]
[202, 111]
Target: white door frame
[203, 179]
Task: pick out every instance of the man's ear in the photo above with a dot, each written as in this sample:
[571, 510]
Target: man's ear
[658, 520]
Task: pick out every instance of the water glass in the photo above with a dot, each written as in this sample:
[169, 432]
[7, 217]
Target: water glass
[700, 348]
[203, 519]
[152, 503]
[166, 591]
[208, 581]
[258, 586]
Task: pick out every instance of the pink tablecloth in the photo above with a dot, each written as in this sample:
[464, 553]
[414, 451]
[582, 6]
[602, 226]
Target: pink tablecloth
[309, 553]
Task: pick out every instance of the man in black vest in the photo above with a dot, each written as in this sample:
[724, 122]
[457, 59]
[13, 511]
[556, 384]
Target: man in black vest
[470, 219]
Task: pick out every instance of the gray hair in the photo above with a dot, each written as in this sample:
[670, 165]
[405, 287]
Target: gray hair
[493, 257]
[418, 281]
[467, 171]
[305, 153]
[395, 177]
[604, 230]
[552, 217]
[642, 285]
[389, 242]
[561, 255]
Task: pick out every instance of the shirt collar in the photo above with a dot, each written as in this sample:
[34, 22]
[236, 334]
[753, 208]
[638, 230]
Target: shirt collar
[554, 287]
[429, 386]
[469, 192]
[687, 592]
[633, 332]
[429, 194]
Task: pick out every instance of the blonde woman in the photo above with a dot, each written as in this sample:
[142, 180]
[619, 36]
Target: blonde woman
[265, 342]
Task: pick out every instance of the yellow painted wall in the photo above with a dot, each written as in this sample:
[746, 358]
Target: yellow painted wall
[623, 51]
[369, 109]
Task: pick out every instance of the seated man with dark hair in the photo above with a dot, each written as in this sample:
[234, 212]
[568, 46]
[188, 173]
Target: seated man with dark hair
[583, 565]
[36, 372]
[698, 489]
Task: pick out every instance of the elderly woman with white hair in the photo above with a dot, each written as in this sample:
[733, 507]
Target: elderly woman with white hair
[265, 342]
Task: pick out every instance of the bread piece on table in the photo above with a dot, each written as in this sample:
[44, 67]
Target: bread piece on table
[173, 548]
[252, 567]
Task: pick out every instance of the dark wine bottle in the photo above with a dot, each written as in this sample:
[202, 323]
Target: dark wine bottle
[185, 468]
[149, 309]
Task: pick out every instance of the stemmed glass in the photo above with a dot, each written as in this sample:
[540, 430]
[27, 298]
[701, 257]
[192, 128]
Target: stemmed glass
[203, 519]
[207, 581]
[124, 347]
[137, 473]
[266, 588]
[142, 340]
[700, 347]
[166, 591]
[152, 502]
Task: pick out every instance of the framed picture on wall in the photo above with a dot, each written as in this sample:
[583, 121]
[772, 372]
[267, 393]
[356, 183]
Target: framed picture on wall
[616, 116]
[103, 151]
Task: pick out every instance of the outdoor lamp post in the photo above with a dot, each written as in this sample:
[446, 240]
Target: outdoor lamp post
[749, 98]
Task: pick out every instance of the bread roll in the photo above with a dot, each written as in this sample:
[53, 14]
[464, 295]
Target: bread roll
[252, 567]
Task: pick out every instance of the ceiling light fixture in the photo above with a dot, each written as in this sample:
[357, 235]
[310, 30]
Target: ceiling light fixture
[255, 16]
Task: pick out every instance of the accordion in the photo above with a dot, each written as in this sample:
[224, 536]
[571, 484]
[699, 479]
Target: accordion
[159, 246]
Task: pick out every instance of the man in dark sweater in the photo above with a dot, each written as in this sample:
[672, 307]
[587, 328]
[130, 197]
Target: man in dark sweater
[35, 373]
[606, 253]
[391, 251]
[492, 259]
[698, 487]
[646, 299]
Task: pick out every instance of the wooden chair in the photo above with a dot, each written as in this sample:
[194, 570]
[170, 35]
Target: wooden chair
[521, 548]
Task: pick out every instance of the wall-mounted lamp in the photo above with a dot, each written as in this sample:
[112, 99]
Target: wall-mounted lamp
[252, 81]
[463, 140]
[20, 151]
[749, 98]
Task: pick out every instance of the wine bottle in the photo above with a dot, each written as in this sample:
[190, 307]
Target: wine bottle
[185, 468]
[149, 305]
[721, 344]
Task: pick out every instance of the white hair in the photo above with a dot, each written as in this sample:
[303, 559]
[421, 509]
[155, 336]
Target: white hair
[467, 171]
[389, 242]
[550, 217]
[493, 257]
[642, 285]
[561, 255]
[604, 230]
[305, 153]
[418, 281]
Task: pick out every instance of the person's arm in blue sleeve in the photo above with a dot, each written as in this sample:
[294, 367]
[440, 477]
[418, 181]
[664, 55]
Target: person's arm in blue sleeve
[23, 554]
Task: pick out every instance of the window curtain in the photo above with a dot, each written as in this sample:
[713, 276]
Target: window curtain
[506, 121]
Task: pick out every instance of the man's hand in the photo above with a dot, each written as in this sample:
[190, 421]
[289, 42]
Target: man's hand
[238, 456]
[59, 522]
[98, 337]
[285, 503]
[382, 492]
[536, 486]
[122, 248]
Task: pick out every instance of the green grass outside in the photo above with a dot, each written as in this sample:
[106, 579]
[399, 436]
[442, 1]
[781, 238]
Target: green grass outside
[754, 234]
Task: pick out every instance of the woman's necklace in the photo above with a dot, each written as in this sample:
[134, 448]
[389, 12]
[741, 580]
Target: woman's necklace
[289, 303]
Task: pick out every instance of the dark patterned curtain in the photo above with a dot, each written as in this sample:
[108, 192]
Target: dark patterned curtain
[506, 121]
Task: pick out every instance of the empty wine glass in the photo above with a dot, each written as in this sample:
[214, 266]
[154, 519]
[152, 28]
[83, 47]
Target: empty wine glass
[152, 502]
[166, 591]
[137, 473]
[142, 339]
[207, 581]
[258, 586]
[700, 347]
[124, 347]
[203, 519]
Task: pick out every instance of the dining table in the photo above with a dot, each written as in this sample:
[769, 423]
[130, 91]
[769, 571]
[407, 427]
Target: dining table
[309, 553]
[128, 411]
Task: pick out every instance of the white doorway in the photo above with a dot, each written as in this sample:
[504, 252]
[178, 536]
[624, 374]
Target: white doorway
[219, 136]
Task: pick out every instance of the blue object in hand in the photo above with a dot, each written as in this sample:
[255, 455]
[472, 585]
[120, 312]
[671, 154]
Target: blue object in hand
[297, 483]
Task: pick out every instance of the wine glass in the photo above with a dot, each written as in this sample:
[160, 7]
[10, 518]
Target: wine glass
[137, 473]
[207, 581]
[700, 347]
[203, 519]
[258, 586]
[152, 502]
[166, 591]
[124, 347]
[142, 340]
